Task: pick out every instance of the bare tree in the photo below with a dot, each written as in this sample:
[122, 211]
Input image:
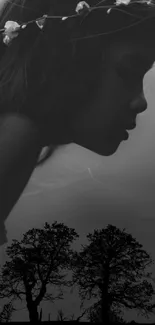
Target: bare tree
[62, 318]
[6, 314]
[78, 318]
[41, 315]
[95, 315]
[111, 269]
[37, 262]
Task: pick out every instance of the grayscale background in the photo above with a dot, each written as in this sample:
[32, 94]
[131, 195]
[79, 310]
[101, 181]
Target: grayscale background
[86, 191]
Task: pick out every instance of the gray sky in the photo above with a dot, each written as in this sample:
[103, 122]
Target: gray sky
[86, 191]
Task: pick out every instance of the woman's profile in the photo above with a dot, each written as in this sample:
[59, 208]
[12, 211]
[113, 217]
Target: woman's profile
[73, 73]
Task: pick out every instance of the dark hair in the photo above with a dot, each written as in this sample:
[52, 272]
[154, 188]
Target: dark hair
[38, 61]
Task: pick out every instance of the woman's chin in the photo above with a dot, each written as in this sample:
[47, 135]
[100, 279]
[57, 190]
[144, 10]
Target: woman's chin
[104, 149]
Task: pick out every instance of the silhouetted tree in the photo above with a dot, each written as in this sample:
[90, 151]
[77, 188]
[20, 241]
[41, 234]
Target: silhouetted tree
[73, 319]
[6, 313]
[111, 268]
[62, 318]
[36, 262]
[49, 317]
[94, 315]
[40, 315]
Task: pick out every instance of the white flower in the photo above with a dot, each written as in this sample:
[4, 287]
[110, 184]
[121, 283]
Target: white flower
[119, 2]
[64, 18]
[11, 31]
[108, 11]
[11, 25]
[81, 7]
[41, 22]
[23, 26]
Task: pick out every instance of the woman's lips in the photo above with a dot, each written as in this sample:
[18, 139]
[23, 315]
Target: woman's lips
[125, 135]
[131, 126]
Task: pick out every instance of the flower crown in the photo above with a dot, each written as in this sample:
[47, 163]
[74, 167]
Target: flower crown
[12, 28]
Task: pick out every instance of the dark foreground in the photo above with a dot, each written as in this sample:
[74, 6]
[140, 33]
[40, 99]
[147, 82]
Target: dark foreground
[82, 323]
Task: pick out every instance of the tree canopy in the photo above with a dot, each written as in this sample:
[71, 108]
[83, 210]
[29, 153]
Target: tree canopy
[112, 269]
[37, 261]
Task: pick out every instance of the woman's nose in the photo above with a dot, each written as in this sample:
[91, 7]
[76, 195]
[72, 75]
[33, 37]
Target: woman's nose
[139, 104]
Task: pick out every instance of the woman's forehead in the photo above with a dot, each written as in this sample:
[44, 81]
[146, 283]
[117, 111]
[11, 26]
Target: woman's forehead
[134, 52]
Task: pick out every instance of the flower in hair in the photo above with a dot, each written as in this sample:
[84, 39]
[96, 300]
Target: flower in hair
[82, 7]
[11, 31]
[109, 10]
[41, 22]
[64, 18]
[124, 2]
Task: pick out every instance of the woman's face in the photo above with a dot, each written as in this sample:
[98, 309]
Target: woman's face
[102, 126]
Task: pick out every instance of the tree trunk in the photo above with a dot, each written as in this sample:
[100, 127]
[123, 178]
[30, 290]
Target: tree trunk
[104, 311]
[105, 298]
[33, 313]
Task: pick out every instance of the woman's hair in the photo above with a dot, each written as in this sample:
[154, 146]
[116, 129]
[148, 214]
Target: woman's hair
[39, 62]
